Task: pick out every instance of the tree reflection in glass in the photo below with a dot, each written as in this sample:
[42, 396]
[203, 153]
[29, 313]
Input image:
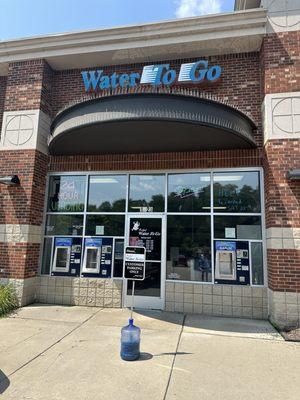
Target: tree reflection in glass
[107, 193]
[189, 192]
[237, 192]
[146, 193]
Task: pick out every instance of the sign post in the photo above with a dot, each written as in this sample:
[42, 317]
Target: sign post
[134, 266]
[134, 270]
[134, 263]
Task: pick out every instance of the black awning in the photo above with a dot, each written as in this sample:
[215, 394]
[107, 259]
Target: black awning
[149, 123]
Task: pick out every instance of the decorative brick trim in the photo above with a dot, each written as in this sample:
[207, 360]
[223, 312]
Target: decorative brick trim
[281, 116]
[26, 129]
[284, 309]
[283, 238]
[20, 233]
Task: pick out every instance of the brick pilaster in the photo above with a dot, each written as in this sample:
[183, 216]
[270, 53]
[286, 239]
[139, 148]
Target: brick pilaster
[27, 87]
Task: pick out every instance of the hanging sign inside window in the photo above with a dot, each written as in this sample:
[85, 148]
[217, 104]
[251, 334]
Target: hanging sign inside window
[230, 233]
[99, 229]
[134, 263]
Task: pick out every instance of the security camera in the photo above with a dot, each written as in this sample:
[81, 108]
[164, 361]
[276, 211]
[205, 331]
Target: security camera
[10, 180]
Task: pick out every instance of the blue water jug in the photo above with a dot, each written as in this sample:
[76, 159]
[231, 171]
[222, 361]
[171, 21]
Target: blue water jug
[130, 342]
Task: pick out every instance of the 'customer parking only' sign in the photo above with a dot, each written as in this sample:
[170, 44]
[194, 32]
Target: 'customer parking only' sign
[134, 263]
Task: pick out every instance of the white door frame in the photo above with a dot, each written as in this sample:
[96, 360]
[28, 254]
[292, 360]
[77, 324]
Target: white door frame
[147, 302]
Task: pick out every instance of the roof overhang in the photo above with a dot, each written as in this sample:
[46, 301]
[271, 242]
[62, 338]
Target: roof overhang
[240, 31]
[149, 123]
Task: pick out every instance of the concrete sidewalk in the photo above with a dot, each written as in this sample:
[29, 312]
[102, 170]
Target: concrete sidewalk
[70, 353]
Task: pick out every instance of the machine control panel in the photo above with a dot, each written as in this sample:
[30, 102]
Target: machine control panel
[66, 257]
[232, 262]
[97, 259]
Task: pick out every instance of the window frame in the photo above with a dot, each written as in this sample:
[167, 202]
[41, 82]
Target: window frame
[86, 205]
[127, 213]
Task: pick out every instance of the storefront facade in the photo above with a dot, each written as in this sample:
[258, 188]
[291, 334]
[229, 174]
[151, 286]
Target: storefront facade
[179, 136]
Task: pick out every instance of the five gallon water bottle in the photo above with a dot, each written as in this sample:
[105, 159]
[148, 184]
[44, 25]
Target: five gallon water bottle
[130, 342]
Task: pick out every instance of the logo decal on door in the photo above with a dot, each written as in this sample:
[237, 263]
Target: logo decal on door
[136, 226]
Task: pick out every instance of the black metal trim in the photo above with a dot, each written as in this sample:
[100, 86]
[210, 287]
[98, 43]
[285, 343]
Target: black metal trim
[153, 107]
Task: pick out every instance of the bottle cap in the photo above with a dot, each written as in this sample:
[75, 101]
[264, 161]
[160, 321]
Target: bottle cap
[130, 321]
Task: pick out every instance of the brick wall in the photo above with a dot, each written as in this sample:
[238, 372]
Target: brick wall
[46, 89]
[2, 96]
[32, 84]
[28, 86]
[23, 204]
[284, 270]
[20, 260]
[281, 62]
[244, 82]
[24, 85]
[158, 161]
[282, 195]
[238, 86]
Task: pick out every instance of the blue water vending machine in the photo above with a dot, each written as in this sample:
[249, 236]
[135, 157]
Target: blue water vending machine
[97, 259]
[66, 257]
[232, 262]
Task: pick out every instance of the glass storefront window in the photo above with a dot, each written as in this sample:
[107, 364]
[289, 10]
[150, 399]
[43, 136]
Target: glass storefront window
[147, 193]
[189, 237]
[236, 192]
[189, 192]
[58, 224]
[118, 258]
[107, 193]
[66, 193]
[105, 225]
[257, 263]
[230, 227]
[189, 248]
[46, 260]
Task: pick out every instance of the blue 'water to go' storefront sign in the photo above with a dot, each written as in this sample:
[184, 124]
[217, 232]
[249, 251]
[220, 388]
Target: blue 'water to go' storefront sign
[155, 75]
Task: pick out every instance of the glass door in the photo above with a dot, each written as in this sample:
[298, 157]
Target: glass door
[147, 231]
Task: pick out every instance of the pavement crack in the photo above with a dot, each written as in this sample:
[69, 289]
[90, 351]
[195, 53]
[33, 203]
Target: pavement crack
[51, 346]
[21, 341]
[174, 357]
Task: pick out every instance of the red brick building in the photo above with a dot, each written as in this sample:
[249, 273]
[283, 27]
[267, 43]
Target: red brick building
[181, 137]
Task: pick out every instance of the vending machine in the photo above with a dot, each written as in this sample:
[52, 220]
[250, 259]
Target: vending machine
[66, 257]
[97, 258]
[232, 262]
